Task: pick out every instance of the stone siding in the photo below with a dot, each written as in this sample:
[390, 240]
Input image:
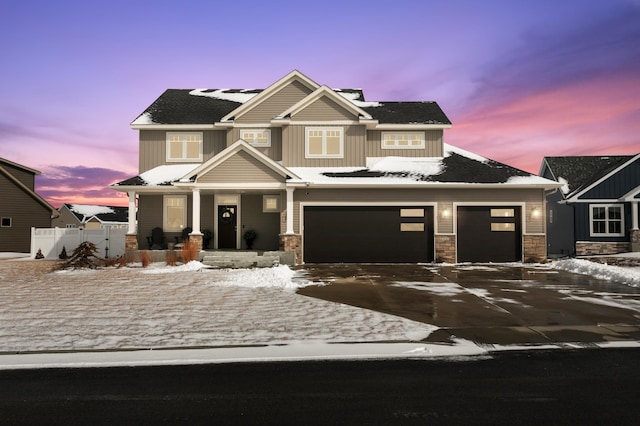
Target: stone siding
[445, 248]
[635, 240]
[293, 243]
[131, 242]
[535, 248]
[589, 248]
[197, 240]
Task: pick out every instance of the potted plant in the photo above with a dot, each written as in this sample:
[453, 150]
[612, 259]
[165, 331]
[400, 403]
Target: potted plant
[207, 235]
[249, 237]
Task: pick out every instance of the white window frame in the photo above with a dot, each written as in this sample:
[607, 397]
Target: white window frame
[324, 131]
[184, 158]
[396, 142]
[249, 135]
[165, 216]
[606, 220]
[3, 220]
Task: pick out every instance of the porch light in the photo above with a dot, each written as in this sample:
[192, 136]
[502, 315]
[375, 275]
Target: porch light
[535, 213]
[446, 213]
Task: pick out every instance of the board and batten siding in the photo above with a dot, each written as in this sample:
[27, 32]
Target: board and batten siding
[274, 151]
[275, 104]
[241, 168]
[153, 147]
[324, 109]
[432, 147]
[293, 148]
[443, 197]
[616, 185]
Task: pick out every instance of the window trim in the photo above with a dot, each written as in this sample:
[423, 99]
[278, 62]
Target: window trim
[165, 225]
[2, 225]
[265, 199]
[184, 159]
[340, 130]
[396, 146]
[253, 142]
[606, 220]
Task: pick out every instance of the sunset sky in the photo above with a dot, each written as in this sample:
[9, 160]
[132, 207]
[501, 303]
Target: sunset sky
[519, 79]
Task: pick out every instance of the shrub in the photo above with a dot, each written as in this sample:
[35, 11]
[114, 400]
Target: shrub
[125, 259]
[189, 251]
[84, 256]
[171, 257]
[111, 261]
[145, 258]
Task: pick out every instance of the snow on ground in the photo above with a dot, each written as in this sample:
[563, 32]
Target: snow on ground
[624, 275]
[169, 307]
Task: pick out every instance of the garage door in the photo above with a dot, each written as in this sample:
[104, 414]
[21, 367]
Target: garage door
[368, 234]
[489, 234]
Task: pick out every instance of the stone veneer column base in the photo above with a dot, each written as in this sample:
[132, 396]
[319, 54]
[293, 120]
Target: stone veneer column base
[292, 242]
[197, 240]
[589, 248]
[445, 249]
[131, 242]
[535, 248]
[635, 240]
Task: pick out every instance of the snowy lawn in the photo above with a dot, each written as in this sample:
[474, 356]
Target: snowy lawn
[167, 307]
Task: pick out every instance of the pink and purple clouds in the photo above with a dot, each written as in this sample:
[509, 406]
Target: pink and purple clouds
[519, 80]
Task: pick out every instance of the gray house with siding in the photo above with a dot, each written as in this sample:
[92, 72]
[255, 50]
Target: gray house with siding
[328, 175]
[21, 208]
[596, 209]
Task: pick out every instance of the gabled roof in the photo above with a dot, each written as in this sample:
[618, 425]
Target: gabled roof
[31, 193]
[18, 166]
[206, 107]
[579, 172]
[84, 212]
[321, 92]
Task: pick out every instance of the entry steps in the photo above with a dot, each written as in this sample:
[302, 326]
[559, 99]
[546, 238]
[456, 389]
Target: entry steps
[247, 259]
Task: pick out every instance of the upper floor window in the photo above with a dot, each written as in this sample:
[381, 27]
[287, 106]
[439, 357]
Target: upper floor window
[607, 220]
[324, 142]
[257, 137]
[402, 140]
[184, 146]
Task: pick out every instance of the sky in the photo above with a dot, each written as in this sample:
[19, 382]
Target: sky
[519, 80]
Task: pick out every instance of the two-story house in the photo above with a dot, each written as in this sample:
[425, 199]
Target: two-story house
[326, 174]
[21, 208]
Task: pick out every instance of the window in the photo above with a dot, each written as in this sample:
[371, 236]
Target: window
[411, 212]
[270, 203]
[257, 137]
[502, 212]
[402, 140]
[324, 142]
[6, 222]
[175, 212]
[184, 146]
[412, 227]
[607, 220]
[503, 227]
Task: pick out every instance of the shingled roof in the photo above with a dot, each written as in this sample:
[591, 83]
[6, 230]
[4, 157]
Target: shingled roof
[207, 106]
[581, 171]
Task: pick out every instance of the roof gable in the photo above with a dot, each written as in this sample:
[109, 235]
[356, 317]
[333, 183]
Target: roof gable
[293, 76]
[612, 183]
[31, 193]
[325, 93]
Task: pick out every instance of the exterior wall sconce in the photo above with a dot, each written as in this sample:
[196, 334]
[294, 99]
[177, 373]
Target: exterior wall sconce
[446, 213]
[535, 213]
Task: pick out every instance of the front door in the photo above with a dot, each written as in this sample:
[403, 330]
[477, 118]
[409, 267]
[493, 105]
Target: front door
[227, 226]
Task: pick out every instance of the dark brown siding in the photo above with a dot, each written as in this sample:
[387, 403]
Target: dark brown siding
[25, 212]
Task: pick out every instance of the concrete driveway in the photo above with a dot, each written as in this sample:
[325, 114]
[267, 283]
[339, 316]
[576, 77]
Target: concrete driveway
[488, 304]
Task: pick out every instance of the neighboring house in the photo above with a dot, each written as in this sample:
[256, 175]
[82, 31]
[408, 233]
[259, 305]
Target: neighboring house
[326, 174]
[90, 216]
[596, 209]
[21, 208]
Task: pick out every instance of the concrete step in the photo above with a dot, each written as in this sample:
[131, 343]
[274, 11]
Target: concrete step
[228, 260]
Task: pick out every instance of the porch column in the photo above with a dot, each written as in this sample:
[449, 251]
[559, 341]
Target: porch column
[635, 232]
[195, 222]
[290, 210]
[132, 214]
[634, 215]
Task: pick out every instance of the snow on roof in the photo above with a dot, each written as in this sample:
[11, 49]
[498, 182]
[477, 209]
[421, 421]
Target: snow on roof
[353, 98]
[532, 179]
[240, 96]
[89, 210]
[167, 173]
[450, 149]
[144, 118]
[565, 185]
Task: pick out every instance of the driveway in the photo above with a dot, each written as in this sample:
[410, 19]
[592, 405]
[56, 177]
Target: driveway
[488, 304]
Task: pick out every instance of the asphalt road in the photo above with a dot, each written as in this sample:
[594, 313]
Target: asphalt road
[586, 386]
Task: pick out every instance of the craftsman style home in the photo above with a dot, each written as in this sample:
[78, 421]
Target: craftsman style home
[596, 209]
[328, 175]
[21, 208]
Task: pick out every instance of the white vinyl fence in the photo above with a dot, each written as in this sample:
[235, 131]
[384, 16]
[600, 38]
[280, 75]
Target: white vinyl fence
[109, 241]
